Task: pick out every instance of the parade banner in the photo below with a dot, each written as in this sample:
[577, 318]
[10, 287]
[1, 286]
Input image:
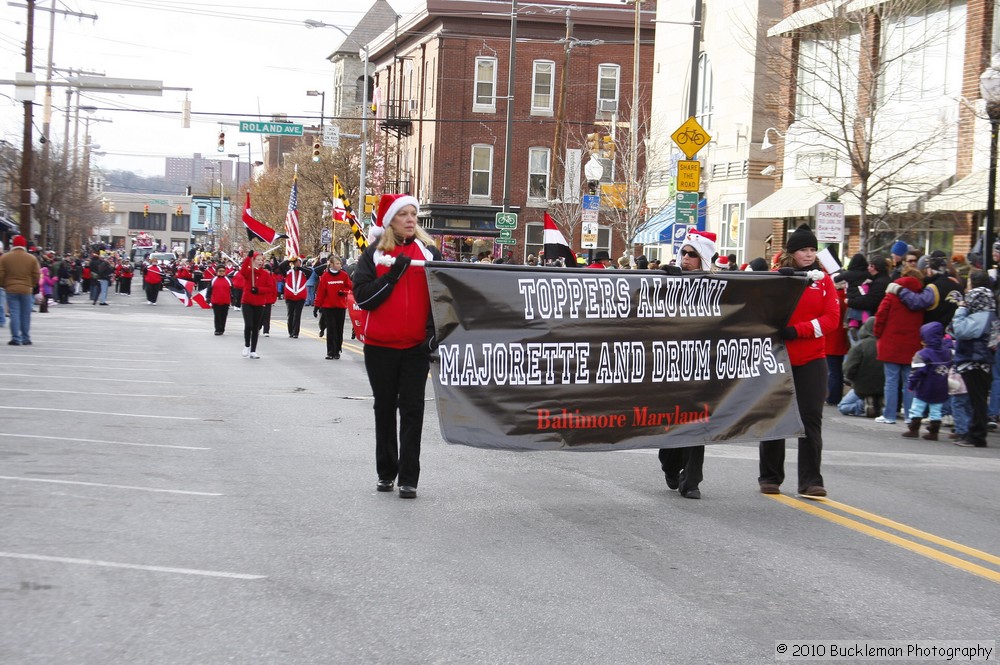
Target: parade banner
[557, 359]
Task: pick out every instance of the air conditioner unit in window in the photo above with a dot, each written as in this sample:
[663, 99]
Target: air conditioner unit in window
[607, 105]
[413, 105]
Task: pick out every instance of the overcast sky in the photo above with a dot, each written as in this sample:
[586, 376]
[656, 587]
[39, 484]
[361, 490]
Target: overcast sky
[240, 57]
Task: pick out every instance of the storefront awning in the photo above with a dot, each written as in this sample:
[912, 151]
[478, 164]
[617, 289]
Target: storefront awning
[8, 224]
[803, 18]
[967, 195]
[796, 201]
[649, 233]
[900, 198]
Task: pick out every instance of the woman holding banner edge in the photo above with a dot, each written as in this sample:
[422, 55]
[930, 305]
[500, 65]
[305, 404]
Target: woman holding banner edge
[816, 315]
[397, 337]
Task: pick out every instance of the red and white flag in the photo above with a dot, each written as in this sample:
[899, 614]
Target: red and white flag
[292, 219]
[256, 229]
[554, 243]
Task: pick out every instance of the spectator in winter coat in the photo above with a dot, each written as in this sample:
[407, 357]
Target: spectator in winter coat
[863, 370]
[929, 381]
[933, 299]
[972, 326]
[855, 275]
[878, 280]
[816, 315]
[898, 331]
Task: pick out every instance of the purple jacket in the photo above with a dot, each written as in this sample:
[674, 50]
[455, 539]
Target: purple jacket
[929, 368]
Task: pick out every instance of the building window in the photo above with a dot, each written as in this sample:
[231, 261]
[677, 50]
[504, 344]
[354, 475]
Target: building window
[542, 85]
[732, 229]
[704, 108]
[482, 170]
[180, 223]
[202, 215]
[428, 86]
[608, 77]
[924, 53]
[155, 221]
[825, 83]
[485, 100]
[538, 173]
[534, 239]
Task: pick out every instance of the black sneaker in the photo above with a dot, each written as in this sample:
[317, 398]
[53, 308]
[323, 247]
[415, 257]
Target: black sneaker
[384, 486]
[407, 492]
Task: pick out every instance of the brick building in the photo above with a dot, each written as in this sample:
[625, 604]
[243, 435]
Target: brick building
[441, 114]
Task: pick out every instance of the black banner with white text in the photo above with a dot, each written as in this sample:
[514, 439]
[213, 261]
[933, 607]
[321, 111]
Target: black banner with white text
[554, 358]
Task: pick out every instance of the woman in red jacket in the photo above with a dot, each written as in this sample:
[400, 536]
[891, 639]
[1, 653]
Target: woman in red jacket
[258, 292]
[816, 315]
[222, 298]
[331, 296]
[397, 336]
[152, 278]
[897, 328]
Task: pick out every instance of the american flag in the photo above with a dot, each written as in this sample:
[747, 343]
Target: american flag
[292, 220]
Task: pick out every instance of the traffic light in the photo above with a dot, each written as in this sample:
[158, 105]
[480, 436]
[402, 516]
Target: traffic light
[145, 210]
[222, 142]
[180, 211]
[594, 143]
[609, 148]
[111, 206]
[104, 205]
[316, 148]
[369, 203]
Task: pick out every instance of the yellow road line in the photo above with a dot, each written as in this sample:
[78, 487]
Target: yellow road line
[930, 537]
[346, 347]
[812, 507]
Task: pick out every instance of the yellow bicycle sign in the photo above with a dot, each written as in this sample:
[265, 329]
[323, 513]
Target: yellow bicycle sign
[690, 137]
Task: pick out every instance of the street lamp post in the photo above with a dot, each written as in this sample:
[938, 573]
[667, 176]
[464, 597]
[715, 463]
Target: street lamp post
[363, 175]
[322, 105]
[989, 88]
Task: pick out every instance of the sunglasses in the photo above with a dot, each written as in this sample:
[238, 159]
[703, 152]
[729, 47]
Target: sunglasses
[692, 254]
[911, 260]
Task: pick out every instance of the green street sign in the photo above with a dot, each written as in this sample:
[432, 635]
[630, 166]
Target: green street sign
[505, 241]
[506, 220]
[506, 233]
[281, 128]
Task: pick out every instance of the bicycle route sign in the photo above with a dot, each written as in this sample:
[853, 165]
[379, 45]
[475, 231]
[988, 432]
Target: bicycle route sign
[690, 137]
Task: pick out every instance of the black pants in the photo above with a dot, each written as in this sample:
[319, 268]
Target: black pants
[126, 286]
[333, 320]
[253, 316]
[810, 390]
[64, 292]
[266, 323]
[835, 384]
[221, 314]
[978, 384]
[398, 379]
[237, 296]
[294, 308]
[690, 460]
[152, 292]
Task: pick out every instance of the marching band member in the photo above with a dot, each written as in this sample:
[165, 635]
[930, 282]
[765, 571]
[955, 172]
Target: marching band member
[295, 293]
[331, 297]
[222, 297]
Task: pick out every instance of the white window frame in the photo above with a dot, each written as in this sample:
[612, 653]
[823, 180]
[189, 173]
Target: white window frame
[546, 173]
[542, 109]
[484, 103]
[473, 171]
[605, 70]
[533, 231]
[705, 103]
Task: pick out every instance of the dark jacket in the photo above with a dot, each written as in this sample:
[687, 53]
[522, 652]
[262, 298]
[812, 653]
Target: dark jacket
[933, 299]
[971, 327]
[862, 366]
[929, 367]
[876, 289]
[855, 274]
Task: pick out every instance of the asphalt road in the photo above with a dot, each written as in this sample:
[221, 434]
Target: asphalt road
[166, 501]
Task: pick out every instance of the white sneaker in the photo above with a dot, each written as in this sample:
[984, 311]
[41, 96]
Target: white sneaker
[883, 421]
[246, 351]
[254, 354]
[267, 334]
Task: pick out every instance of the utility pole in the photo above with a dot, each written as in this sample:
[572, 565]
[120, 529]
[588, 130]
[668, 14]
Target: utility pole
[508, 137]
[26, 140]
[556, 147]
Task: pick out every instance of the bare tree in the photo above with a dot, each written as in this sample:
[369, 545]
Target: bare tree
[873, 109]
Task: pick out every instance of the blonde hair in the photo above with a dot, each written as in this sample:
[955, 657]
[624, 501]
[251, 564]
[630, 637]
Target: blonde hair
[388, 240]
[910, 271]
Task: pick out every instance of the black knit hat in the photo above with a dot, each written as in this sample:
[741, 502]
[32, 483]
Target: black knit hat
[802, 237]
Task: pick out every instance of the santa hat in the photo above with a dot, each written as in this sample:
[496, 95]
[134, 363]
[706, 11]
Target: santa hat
[703, 243]
[722, 263]
[18, 241]
[388, 206]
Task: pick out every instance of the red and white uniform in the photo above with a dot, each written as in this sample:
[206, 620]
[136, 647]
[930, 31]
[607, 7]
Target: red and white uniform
[154, 275]
[329, 286]
[295, 284]
[222, 290]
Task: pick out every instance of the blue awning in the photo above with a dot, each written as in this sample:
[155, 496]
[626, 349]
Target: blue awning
[656, 230]
[11, 225]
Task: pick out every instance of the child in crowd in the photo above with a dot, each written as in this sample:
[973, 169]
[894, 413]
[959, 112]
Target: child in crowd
[929, 381]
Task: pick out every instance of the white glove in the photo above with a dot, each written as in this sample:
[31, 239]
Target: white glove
[815, 275]
[894, 288]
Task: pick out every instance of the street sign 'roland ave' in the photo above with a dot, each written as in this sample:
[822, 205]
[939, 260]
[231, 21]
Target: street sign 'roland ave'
[281, 128]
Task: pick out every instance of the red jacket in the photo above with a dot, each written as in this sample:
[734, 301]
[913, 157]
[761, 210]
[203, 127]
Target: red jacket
[222, 291]
[295, 284]
[816, 315]
[897, 327]
[263, 280]
[836, 341]
[329, 286]
[154, 275]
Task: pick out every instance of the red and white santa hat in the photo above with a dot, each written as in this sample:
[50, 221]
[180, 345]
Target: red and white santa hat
[722, 263]
[388, 206]
[703, 243]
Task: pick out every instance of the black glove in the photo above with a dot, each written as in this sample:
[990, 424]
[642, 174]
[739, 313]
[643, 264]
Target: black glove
[399, 266]
[788, 332]
[787, 272]
[253, 290]
[430, 345]
[315, 312]
[342, 294]
[250, 254]
[672, 270]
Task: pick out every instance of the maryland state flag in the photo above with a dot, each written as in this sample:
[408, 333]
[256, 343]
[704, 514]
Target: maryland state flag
[258, 230]
[339, 194]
